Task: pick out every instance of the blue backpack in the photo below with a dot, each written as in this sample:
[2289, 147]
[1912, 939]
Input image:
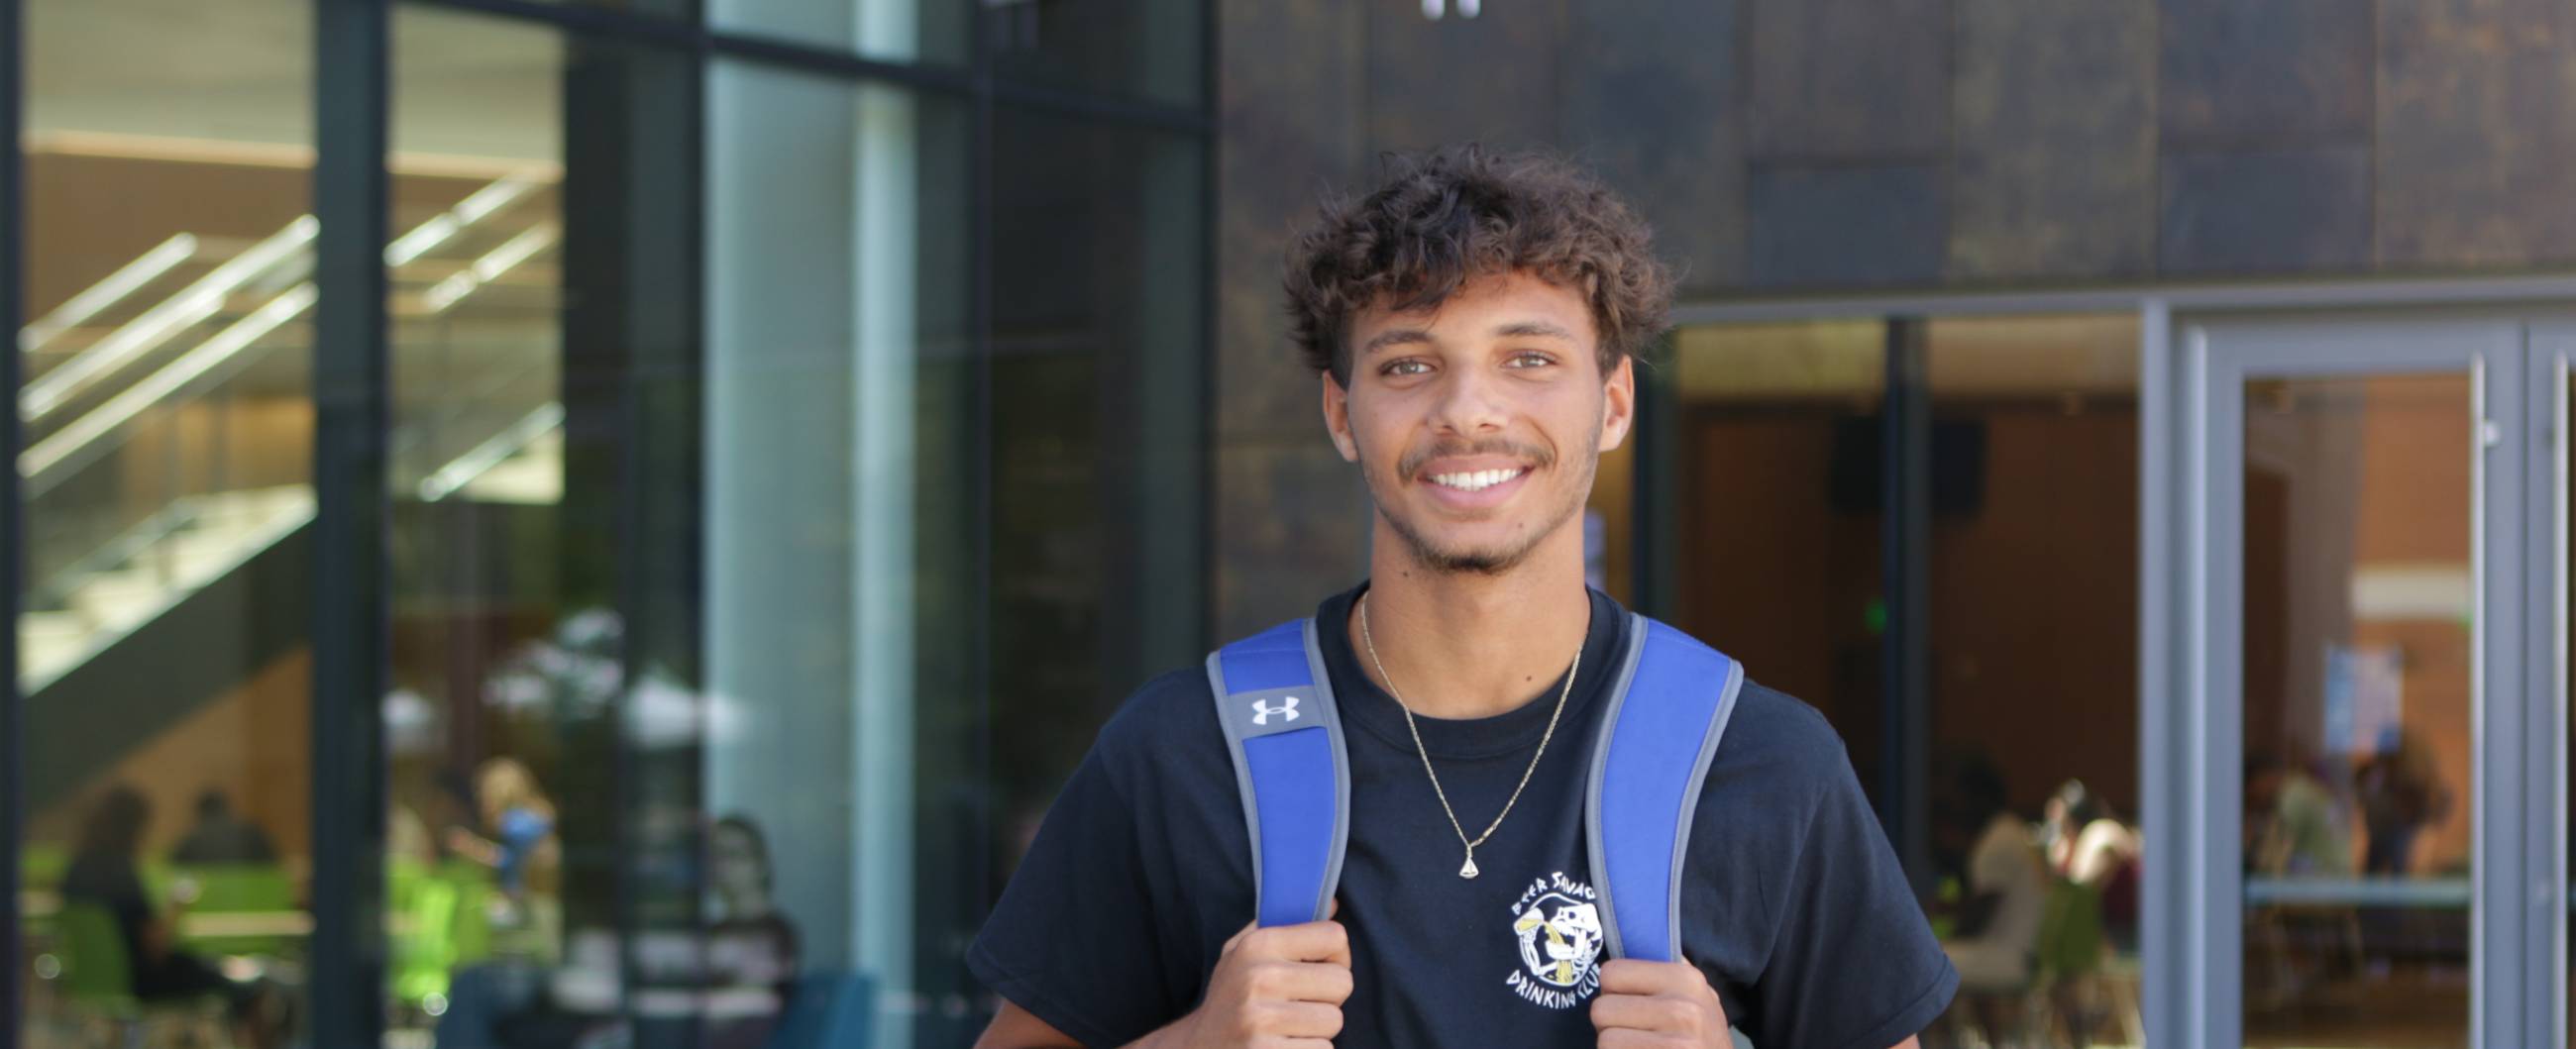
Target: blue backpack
[1669, 705]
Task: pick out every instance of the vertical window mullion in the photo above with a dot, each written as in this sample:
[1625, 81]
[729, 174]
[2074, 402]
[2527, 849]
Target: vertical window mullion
[12, 520]
[351, 377]
[1905, 535]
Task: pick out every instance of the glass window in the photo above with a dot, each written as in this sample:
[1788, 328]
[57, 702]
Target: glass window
[2032, 600]
[840, 533]
[777, 503]
[932, 32]
[1148, 49]
[2031, 689]
[543, 723]
[1098, 258]
[1776, 462]
[164, 653]
[2358, 650]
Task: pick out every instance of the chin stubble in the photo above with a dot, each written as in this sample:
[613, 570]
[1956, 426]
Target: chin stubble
[1484, 563]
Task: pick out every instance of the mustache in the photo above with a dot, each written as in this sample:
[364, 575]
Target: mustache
[1536, 456]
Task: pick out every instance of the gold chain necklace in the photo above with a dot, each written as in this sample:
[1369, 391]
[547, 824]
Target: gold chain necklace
[1468, 871]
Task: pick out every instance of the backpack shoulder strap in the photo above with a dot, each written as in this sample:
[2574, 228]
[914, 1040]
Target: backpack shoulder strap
[1668, 708]
[1276, 703]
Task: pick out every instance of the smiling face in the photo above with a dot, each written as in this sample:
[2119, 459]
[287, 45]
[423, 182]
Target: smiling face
[1478, 423]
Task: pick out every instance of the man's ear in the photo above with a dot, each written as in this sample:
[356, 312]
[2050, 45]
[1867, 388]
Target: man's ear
[1618, 403]
[1337, 417]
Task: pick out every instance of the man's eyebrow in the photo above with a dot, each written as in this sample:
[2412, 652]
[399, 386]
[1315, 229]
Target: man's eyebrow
[1394, 337]
[1533, 329]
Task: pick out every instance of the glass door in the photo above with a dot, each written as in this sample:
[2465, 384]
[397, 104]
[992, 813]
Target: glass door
[2366, 791]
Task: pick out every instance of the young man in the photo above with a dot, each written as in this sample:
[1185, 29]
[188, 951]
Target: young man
[1473, 323]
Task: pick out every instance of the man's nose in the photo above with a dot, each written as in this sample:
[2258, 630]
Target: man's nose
[1470, 402]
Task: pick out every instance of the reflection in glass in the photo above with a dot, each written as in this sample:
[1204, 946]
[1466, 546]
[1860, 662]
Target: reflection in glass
[838, 577]
[1779, 547]
[931, 32]
[2358, 653]
[543, 827]
[2032, 597]
[163, 647]
[1095, 454]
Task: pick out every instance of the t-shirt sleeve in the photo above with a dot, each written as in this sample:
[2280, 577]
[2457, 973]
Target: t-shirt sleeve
[1073, 939]
[1854, 964]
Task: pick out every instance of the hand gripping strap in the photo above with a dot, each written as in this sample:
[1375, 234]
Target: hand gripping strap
[1285, 735]
[1668, 709]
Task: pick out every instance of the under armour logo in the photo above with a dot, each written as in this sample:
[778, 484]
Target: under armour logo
[1261, 711]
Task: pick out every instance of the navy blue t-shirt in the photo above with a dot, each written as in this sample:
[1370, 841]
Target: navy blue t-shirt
[1793, 903]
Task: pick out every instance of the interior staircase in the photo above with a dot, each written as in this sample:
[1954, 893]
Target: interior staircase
[167, 418]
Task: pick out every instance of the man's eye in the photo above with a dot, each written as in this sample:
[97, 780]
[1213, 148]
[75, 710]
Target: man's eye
[1531, 359]
[1407, 367]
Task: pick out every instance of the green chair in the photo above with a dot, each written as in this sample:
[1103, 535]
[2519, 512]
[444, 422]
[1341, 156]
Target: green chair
[2071, 931]
[239, 888]
[40, 871]
[2070, 955]
[401, 876]
[98, 981]
[96, 973]
[424, 950]
[230, 888]
[473, 925]
[445, 925]
[42, 866]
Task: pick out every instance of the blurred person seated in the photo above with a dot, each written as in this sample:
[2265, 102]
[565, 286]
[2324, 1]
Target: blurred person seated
[105, 872]
[2090, 846]
[2401, 793]
[2294, 826]
[750, 943]
[739, 969]
[1996, 930]
[221, 837]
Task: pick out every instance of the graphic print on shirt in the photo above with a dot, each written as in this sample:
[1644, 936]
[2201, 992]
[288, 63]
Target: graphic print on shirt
[1559, 928]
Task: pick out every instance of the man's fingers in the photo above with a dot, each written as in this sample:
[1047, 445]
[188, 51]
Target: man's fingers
[1237, 938]
[1276, 981]
[1642, 1013]
[1315, 982]
[1310, 942]
[1631, 976]
[1299, 1019]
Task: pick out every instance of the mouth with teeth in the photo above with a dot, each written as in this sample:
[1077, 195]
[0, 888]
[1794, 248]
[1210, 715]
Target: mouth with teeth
[1474, 492]
[1477, 480]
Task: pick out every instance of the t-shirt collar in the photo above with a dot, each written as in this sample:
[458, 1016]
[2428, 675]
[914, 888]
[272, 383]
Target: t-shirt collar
[1510, 733]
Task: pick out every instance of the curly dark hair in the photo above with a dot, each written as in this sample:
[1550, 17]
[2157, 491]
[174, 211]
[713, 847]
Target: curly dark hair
[1453, 214]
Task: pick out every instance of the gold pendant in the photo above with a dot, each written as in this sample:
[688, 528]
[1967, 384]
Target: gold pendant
[1469, 871]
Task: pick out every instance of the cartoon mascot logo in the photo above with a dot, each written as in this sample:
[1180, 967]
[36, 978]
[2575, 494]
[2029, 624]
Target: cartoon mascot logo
[1560, 934]
[1560, 938]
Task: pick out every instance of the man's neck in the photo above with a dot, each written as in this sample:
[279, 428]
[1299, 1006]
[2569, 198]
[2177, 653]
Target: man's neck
[1467, 645]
